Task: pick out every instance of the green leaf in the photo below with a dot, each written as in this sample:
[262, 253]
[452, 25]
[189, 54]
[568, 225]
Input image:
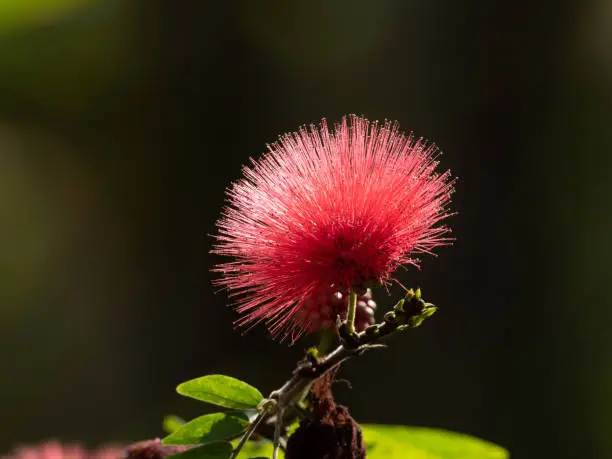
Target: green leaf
[223, 391]
[218, 450]
[256, 449]
[399, 442]
[209, 428]
[172, 423]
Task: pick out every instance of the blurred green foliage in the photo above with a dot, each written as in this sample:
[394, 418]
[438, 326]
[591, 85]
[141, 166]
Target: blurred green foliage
[64, 68]
[19, 14]
[398, 442]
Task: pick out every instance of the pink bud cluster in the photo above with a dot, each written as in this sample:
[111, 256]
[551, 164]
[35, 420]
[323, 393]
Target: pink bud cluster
[321, 311]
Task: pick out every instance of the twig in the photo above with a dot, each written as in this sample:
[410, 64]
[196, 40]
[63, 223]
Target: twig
[351, 312]
[250, 430]
[409, 312]
[277, 432]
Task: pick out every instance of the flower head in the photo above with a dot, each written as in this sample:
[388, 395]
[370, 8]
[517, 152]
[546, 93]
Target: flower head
[325, 211]
[55, 450]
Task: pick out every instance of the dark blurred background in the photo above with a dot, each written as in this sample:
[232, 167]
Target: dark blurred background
[121, 124]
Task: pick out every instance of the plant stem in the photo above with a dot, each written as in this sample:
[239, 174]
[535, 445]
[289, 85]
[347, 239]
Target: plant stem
[277, 433]
[351, 313]
[405, 316]
[250, 430]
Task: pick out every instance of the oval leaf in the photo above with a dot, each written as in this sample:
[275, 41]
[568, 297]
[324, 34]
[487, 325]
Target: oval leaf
[209, 428]
[223, 391]
[218, 450]
[398, 442]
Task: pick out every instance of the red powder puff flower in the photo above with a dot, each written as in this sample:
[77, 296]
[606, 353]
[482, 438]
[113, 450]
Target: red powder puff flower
[328, 212]
[55, 450]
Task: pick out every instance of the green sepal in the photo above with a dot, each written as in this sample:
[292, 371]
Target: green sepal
[427, 310]
[411, 310]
